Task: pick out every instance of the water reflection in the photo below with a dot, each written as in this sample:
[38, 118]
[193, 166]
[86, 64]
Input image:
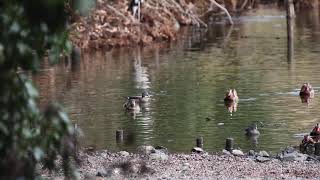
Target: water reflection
[305, 99]
[290, 34]
[231, 106]
[140, 72]
[253, 140]
[187, 80]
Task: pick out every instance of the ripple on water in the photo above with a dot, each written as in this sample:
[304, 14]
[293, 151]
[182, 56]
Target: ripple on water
[300, 135]
[247, 99]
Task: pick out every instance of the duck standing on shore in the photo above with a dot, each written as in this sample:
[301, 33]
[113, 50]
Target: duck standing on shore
[315, 131]
[314, 137]
[231, 96]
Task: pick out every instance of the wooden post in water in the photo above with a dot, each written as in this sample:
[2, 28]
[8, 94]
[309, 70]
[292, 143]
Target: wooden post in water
[119, 135]
[229, 144]
[317, 149]
[290, 29]
[199, 142]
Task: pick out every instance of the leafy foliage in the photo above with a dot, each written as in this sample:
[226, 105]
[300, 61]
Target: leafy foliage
[27, 135]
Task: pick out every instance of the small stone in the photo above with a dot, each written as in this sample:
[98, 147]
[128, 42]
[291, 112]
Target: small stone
[162, 149]
[237, 152]
[186, 164]
[251, 159]
[101, 173]
[264, 154]
[310, 158]
[124, 153]
[294, 156]
[197, 150]
[251, 153]
[145, 149]
[89, 176]
[226, 152]
[116, 171]
[158, 155]
[220, 124]
[289, 150]
[262, 159]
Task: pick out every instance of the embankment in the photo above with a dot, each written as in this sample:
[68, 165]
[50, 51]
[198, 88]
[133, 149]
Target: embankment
[110, 24]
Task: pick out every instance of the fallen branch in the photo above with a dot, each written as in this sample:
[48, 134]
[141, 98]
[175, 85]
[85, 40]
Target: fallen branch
[243, 5]
[118, 13]
[222, 8]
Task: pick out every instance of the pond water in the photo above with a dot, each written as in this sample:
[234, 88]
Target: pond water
[187, 81]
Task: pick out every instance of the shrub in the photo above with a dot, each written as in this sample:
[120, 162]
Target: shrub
[27, 135]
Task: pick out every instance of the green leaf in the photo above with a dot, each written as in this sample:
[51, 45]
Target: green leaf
[68, 47]
[71, 130]
[38, 153]
[26, 133]
[23, 48]
[28, 29]
[32, 106]
[1, 54]
[14, 28]
[3, 129]
[53, 55]
[63, 116]
[44, 27]
[31, 90]
[24, 33]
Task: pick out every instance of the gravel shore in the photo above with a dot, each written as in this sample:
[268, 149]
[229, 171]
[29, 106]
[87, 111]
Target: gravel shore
[124, 165]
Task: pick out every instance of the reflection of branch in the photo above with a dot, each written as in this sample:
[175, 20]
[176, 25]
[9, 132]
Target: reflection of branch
[227, 37]
[141, 74]
[222, 8]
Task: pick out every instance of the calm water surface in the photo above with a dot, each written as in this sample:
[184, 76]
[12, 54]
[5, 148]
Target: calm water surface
[188, 79]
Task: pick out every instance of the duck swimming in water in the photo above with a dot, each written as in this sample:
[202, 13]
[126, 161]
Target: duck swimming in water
[140, 99]
[131, 105]
[231, 96]
[307, 90]
[252, 131]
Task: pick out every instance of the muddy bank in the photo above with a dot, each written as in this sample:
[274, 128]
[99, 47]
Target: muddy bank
[160, 165]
